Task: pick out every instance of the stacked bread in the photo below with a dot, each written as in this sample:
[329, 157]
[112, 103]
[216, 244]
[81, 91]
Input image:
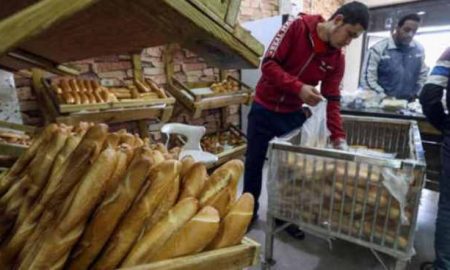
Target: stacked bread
[217, 142]
[344, 196]
[11, 137]
[148, 89]
[226, 86]
[84, 198]
[77, 91]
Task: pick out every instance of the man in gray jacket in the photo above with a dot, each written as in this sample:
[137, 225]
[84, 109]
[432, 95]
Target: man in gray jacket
[395, 65]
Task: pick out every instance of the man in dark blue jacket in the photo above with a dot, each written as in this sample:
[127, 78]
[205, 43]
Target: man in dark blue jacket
[395, 65]
[433, 108]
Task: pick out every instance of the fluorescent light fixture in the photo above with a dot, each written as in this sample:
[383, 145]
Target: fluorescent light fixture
[421, 13]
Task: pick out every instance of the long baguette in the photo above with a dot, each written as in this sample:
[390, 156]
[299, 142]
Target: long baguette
[112, 208]
[70, 171]
[234, 225]
[152, 241]
[34, 178]
[193, 182]
[188, 162]
[218, 181]
[193, 237]
[25, 158]
[41, 171]
[161, 180]
[222, 201]
[24, 228]
[166, 205]
[73, 214]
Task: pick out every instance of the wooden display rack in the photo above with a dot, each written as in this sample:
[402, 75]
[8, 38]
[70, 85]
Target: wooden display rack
[11, 149]
[197, 103]
[236, 257]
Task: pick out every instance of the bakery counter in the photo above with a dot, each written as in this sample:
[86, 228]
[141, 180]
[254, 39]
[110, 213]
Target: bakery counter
[431, 137]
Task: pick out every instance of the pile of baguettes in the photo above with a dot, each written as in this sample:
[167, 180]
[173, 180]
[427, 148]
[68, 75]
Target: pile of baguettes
[83, 198]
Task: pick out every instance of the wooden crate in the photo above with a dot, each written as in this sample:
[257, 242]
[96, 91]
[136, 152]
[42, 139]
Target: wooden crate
[112, 112]
[124, 103]
[11, 149]
[240, 256]
[196, 103]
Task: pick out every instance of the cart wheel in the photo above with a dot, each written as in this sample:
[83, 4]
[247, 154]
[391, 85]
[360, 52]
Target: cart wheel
[266, 265]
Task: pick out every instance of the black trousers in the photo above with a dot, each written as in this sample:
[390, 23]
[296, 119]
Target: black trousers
[264, 125]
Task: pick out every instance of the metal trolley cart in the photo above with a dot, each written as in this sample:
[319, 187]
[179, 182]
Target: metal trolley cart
[354, 196]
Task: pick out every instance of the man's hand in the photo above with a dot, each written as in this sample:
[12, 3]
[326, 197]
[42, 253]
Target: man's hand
[309, 95]
[340, 144]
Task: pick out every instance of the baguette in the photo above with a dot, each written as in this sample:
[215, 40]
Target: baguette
[71, 171]
[234, 225]
[73, 214]
[152, 241]
[111, 210]
[166, 205]
[193, 237]
[23, 161]
[142, 87]
[188, 162]
[40, 171]
[193, 182]
[161, 180]
[222, 201]
[218, 181]
[156, 89]
[236, 168]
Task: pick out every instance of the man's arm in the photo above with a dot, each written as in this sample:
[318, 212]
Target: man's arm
[431, 95]
[276, 54]
[423, 75]
[370, 75]
[330, 90]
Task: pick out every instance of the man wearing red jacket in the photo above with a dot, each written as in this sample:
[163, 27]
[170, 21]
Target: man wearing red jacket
[305, 51]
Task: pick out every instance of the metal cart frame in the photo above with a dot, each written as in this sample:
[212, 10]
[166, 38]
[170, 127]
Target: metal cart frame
[399, 136]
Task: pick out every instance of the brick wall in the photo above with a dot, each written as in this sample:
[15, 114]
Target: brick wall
[256, 9]
[325, 8]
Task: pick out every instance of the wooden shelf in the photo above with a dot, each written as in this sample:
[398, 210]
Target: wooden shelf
[196, 103]
[60, 31]
[236, 257]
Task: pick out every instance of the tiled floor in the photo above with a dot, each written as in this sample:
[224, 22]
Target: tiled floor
[314, 254]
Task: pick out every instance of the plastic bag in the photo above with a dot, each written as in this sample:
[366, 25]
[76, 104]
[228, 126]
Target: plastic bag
[398, 186]
[315, 132]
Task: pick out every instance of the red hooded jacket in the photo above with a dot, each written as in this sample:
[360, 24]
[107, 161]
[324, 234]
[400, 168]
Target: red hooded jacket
[295, 57]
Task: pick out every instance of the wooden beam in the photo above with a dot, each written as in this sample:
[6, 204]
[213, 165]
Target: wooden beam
[43, 63]
[36, 19]
[137, 67]
[168, 62]
[117, 116]
[233, 12]
[46, 105]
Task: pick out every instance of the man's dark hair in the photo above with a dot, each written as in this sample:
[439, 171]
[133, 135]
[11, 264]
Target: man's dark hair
[409, 17]
[354, 13]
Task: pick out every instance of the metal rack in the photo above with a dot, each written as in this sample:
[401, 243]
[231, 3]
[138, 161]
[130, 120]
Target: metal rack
[342, 195]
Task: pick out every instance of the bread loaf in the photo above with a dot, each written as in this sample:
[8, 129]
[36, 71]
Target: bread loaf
[166, 204]
[193, 181]
[152, 241]
[161, 180]
[73, 213]
[218, 181]
[111, 210]
[222, 201]
[23, 161]
[71, 172]
[236, 168]
[193, 237]
[234, 226]
[188, 162]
